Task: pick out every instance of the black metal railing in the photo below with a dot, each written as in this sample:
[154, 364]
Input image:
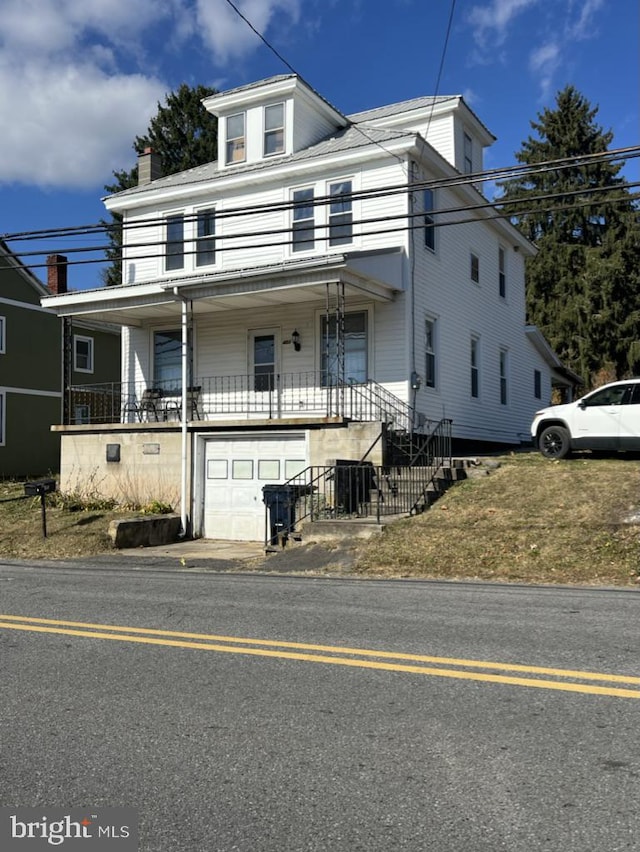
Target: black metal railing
[351, 490]
[268, 396]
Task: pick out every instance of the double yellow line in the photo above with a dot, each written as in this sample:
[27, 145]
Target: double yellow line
[478, 670]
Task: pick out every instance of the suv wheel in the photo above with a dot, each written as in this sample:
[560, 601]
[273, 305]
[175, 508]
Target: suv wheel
[554, 442]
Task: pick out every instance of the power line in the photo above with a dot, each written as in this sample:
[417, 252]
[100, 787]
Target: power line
[506, 172]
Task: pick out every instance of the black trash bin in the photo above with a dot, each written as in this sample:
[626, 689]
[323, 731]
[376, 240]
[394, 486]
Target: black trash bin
[280, 501]
[354, 481]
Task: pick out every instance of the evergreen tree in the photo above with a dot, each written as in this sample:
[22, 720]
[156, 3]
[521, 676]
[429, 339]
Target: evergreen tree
[583, 287]
[185, 135]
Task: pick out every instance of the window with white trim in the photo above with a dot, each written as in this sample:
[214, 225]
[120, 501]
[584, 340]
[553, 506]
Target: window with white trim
[355, 340]
[236, 151]
[504, 379]
[474, 267]
[3, 335]
[205, 237]
[429, 220]
[82, 354]
[502, 273]
[468, 154]
[430, 353]
[303, 222]
[475, 367]
[340, 213]
[537, 384]
[174, 246]
[273, 129]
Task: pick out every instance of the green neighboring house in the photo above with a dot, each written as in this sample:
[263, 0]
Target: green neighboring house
[32, 365]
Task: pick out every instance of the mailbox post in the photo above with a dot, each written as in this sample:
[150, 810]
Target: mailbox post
[40, 488]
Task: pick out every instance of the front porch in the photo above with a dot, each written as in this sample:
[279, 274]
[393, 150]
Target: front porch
[268, 397]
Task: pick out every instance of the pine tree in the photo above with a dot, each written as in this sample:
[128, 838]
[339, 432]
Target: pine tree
[184, 135]
[583, 287]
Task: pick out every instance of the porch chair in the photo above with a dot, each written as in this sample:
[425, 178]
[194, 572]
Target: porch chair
[150, 405]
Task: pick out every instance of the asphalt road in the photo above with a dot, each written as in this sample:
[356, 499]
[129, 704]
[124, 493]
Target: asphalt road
[406, 716]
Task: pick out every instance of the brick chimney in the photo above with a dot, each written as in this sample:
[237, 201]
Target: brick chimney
[57, 274]
[149, 166]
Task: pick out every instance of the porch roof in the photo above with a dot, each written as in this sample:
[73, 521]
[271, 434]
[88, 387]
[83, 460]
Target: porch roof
[255, 288]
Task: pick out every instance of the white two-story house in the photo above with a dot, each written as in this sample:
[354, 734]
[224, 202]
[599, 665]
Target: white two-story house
[330, 284]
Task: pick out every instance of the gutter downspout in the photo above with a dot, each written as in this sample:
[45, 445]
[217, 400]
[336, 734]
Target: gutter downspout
[184, 473]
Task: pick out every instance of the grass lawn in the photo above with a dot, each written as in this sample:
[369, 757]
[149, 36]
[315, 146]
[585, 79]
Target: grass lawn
[531, 520]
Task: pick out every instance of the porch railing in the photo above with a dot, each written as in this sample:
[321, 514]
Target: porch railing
[351, 490]
[267, 396]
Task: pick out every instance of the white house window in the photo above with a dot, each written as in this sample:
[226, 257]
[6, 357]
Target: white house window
[429, 220]
[235, 138]
[273, 129]
[537, 384]
[2, 419]
[205, 238]
[468, 154]
[502, 273]
[503, 376]
[430, 353]
[474, 268]
[3, 335]
[167, 360]
[82, 354]
[174, 249]
[302, 228]
[475, 367]
[355, 349]
[340, 213]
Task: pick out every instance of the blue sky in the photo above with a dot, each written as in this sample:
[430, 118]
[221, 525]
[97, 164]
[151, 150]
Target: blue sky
[80, 78]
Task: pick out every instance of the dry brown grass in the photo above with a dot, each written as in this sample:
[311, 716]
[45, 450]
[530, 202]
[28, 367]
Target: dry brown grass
[531, 521]
[69, 533]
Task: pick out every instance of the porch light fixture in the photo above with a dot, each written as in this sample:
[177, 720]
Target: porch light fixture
[295, 339]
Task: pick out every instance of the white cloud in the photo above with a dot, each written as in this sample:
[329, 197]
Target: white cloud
[544, 62]
[77, 78]
[583, 27]
[491, 22]
[228, 35]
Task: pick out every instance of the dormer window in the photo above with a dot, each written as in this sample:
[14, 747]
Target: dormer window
[468, 154]
[273, 130]
[236, 151]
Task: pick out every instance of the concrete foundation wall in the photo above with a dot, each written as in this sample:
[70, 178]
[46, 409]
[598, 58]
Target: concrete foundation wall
[149, 466]
[350, 442]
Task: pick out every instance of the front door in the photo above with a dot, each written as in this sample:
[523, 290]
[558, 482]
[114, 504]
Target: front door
[264, 346]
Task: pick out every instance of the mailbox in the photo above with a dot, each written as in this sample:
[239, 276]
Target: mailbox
[39, 487]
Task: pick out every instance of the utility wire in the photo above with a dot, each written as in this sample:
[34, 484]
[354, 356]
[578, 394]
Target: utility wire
[508, 172]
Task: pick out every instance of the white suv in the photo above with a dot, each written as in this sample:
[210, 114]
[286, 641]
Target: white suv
[605, 419]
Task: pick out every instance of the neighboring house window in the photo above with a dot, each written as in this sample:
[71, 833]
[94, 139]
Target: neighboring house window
[429, 220]
[475, 268]
[82, 354]
[167, 360]
[2, 419]
[475, 367]
[468, 154]
[175, 242]
[502, 273]
[235, 138]
[273, 129]
[503, 376]
[302, 229]
[430, 353]
[355, 349]
[340, 213]
[537, 384]
[81, 414]
[205, 242]
[3, 335]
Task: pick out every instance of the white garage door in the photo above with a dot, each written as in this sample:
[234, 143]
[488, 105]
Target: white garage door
[235, 471]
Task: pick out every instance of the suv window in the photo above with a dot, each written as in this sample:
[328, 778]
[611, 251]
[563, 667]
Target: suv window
[617, 395]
